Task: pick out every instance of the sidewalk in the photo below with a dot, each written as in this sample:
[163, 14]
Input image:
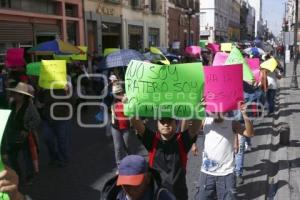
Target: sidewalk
[272, 167]
[288, 156]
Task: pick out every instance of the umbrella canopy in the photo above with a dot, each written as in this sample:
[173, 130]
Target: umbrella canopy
[54, 47]
[248, 51]
[120, 59]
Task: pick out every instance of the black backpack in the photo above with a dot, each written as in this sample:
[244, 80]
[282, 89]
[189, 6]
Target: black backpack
[110, 189]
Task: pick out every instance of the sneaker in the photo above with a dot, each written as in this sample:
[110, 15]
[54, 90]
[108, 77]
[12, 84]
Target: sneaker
[239, 180]
[247, 147]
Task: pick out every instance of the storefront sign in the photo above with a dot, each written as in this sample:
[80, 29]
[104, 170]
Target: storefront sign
[105, 10]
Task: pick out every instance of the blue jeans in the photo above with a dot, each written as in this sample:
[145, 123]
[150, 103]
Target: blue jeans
[121, 140]
[239, 157]
[216, 187]
[56, 134]
[271, 100]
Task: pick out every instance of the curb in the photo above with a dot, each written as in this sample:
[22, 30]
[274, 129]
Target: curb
[280, 139]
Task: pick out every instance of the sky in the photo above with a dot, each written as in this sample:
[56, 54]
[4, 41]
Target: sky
[273, 12]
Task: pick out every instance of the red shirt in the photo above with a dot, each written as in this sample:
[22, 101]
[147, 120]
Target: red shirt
[121, 121]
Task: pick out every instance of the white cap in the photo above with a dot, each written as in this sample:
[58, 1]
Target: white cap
[113, 78]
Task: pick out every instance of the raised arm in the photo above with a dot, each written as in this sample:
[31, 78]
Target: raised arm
[248, 130]
[138, 125]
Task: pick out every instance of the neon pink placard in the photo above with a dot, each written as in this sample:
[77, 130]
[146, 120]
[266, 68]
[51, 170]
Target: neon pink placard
[223, 87]
[15, 58]
[214, 47]
[220, 58]
[254, 65]
[193, 51]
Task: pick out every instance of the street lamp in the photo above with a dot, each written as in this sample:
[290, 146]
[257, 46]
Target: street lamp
[189, 14]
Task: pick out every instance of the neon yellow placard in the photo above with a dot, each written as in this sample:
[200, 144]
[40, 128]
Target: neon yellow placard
[269, 64]
[164, 90]
[108, 51]
[53, 74]
[236, 57]
[226, 47]
[157, 51]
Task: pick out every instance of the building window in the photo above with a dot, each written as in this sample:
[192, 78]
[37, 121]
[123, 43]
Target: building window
[136, 4]
[136, 39]
[153, 37]
[5, 3]
[71, 10]
[72, 32]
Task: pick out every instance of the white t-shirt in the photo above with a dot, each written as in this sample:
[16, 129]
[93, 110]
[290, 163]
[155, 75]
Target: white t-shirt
[272, 81]
[218, 153]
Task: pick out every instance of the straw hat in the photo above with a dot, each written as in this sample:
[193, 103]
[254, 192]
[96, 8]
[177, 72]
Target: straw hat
[117, 89]
[21, 88]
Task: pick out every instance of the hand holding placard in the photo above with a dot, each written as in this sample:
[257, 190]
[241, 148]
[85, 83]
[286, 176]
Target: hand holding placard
[164, 90]
[223, 87]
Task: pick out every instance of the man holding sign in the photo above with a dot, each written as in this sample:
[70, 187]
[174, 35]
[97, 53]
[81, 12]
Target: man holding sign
[166, 92]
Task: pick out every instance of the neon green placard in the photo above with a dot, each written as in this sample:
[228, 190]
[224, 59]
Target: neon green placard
[4, 115]
[33, 69]
[164, 90]
[236, 57]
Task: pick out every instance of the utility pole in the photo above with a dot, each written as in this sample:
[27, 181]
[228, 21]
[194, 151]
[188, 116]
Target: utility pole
[294, 82]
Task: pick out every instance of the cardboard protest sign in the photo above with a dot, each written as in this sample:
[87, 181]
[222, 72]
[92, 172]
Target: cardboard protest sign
[223, 87]
[213, 47]
[4, 115]
[53, 74]
[164, 90]
[269, 64]
[15, 58]
[203, 43]
[236, 57]
[220, 58]
[33, 69]
[226, 47]
[193, 51]
[255, 68]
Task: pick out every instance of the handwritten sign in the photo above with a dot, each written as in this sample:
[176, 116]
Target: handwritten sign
[223, 87]
[15, 58]
[226, 47]
[269, 64]
[4, 115]
[164, 90]
[220, 58]
[33, 69]
[255, 68]
[236, 57]
[213, 47]
[53, 74]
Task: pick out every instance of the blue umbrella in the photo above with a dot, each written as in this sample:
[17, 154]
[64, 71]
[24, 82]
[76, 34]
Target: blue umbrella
[120, 59]
[55, 47]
